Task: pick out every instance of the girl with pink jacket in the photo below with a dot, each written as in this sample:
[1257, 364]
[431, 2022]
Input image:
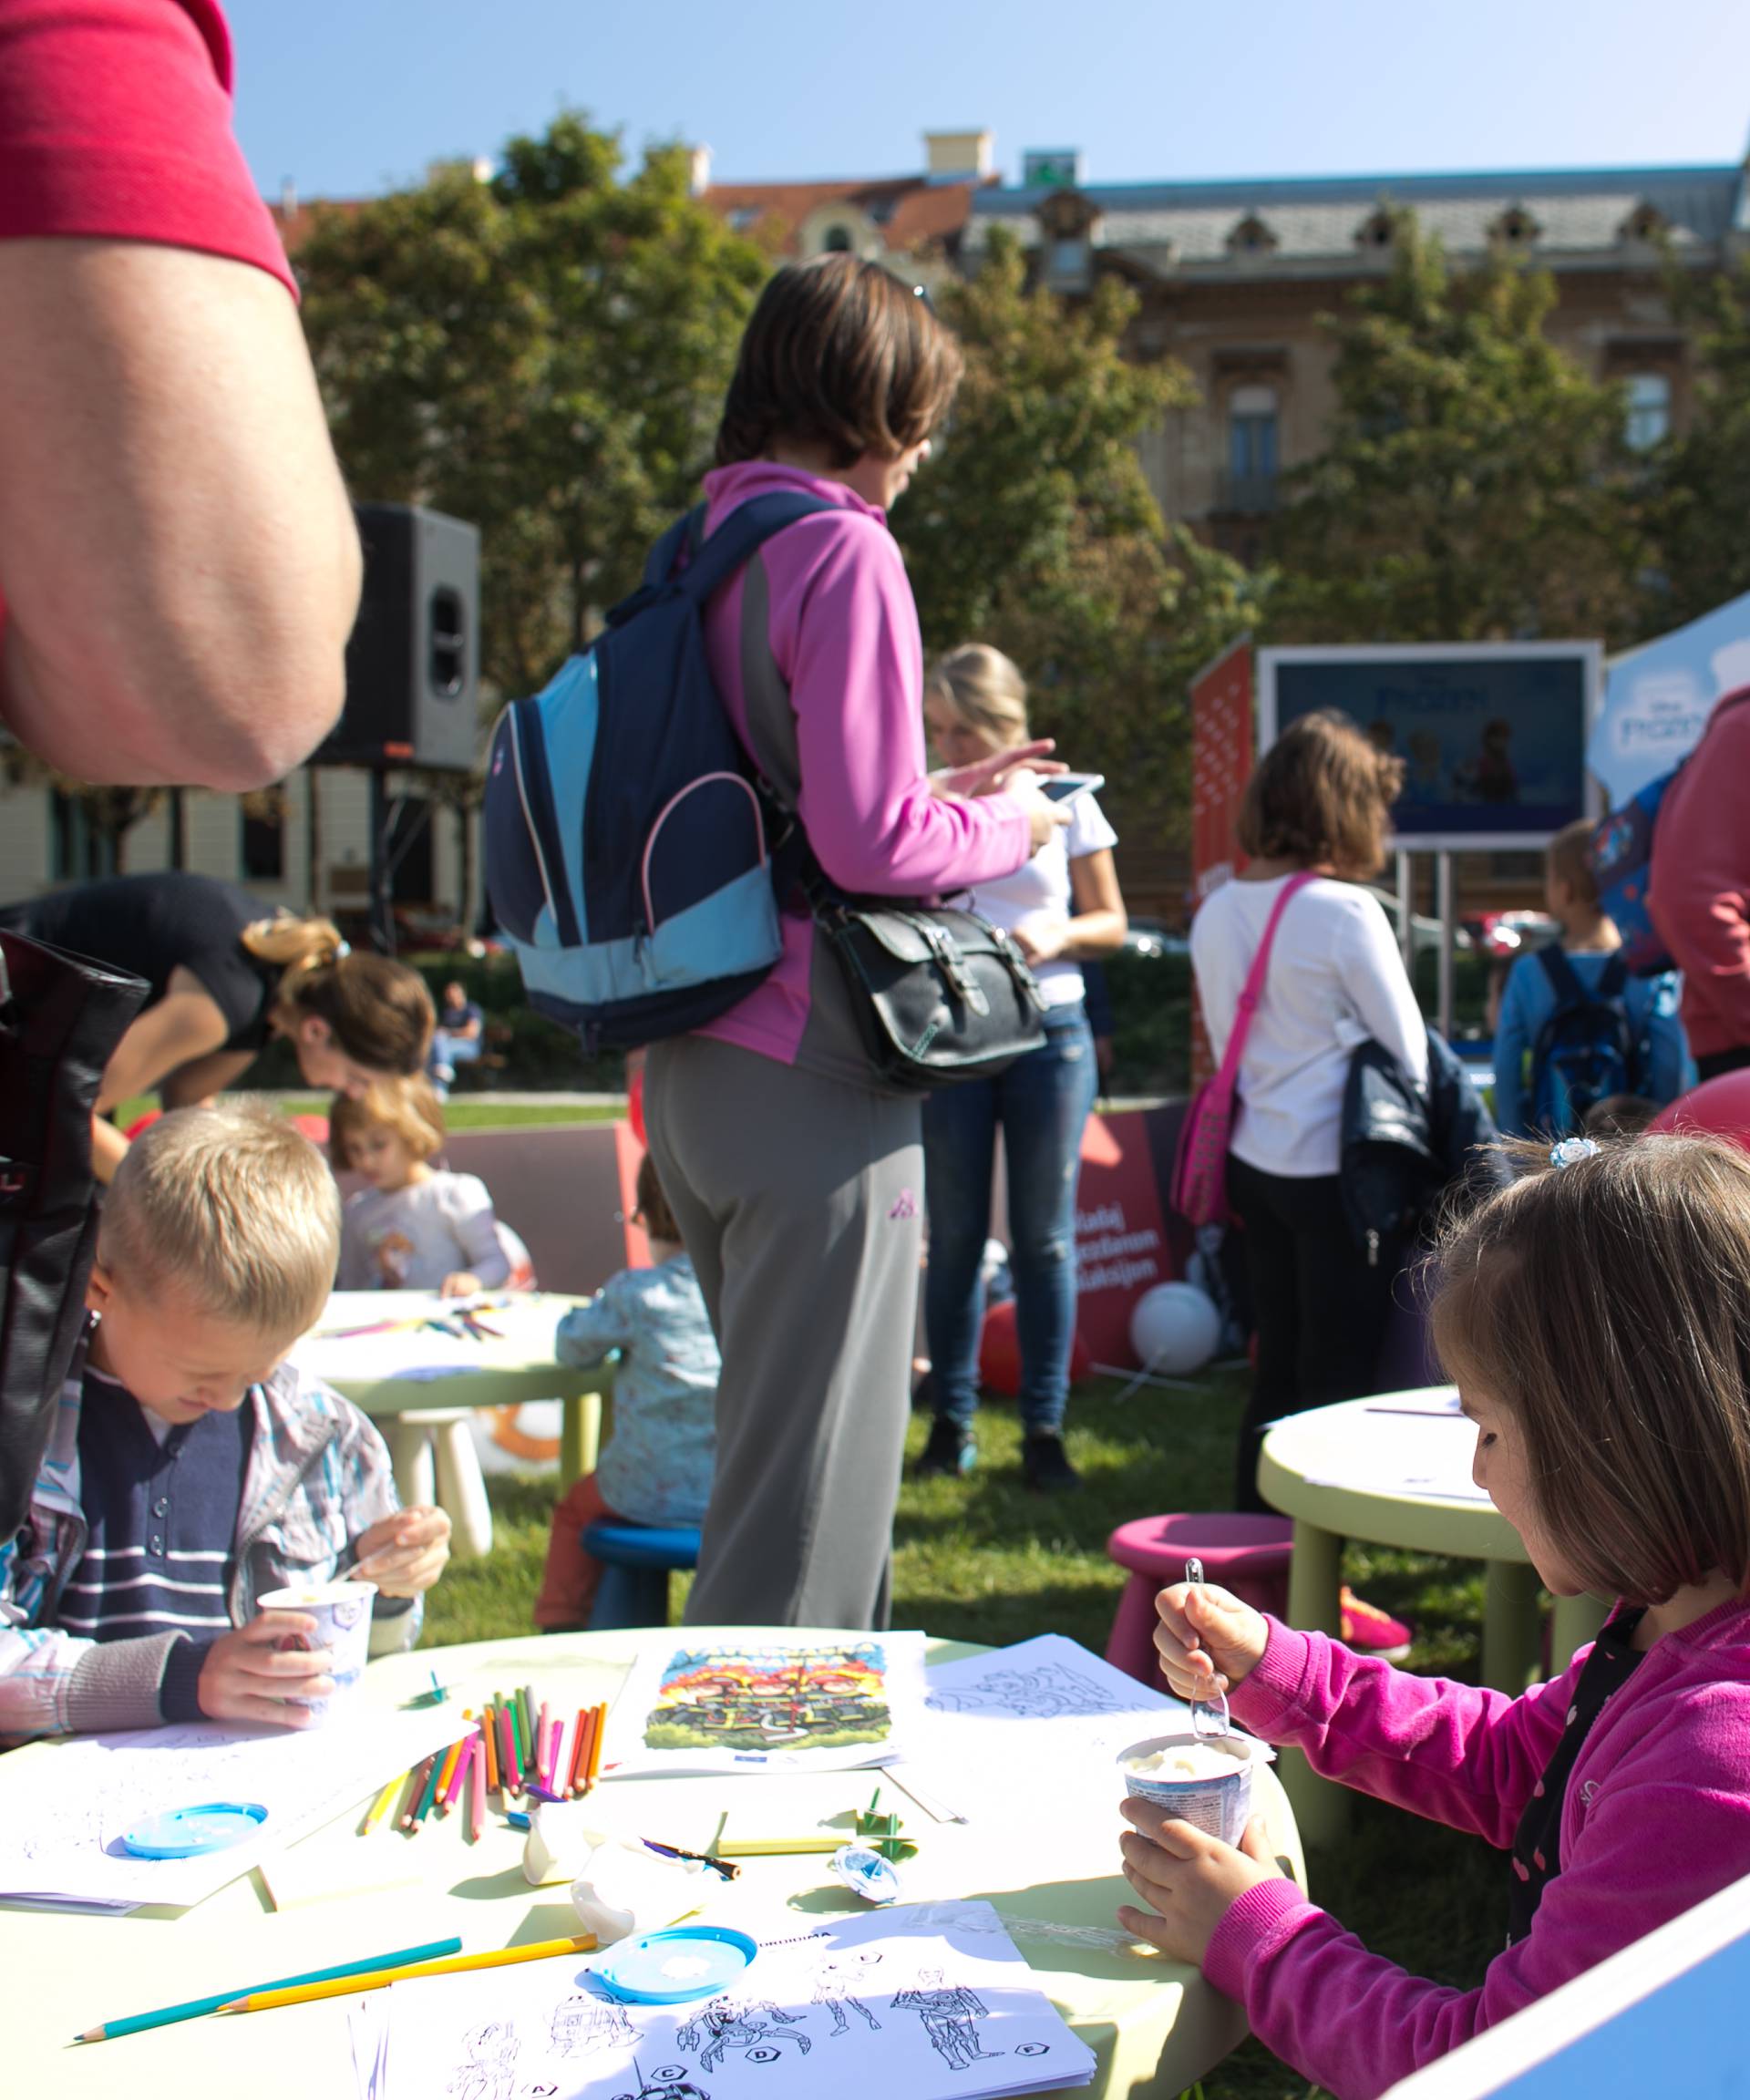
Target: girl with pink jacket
[1596, 1320]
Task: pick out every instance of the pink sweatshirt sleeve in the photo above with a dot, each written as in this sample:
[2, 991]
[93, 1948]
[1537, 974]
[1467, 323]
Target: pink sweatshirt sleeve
[856, 678]
[1667, 1825]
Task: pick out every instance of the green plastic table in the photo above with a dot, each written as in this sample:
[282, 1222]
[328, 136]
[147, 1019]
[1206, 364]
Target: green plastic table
[1154, 2026]
[1305, 1461]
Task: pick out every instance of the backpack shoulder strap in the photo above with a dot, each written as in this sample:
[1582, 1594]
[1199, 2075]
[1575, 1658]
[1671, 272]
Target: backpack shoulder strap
[1613, 979]
[687, 532]
[1564, 979]
[742, 533]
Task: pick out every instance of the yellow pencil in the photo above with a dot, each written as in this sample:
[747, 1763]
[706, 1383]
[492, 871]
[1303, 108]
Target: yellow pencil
[379, 1808]
[765, 1847]
[337, 1987]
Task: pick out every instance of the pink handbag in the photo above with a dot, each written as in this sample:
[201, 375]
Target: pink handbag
[1199, 1190]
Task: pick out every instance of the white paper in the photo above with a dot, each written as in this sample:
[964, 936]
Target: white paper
[1427, 1456]
[1078, 1712]
[747, 1705]
[922, 2003]
[88, 1792]
[412, 1351]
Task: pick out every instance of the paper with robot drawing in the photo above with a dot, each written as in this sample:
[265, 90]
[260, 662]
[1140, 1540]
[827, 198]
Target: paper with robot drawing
[926, 2002]
[85, 1794]
[748, 1704]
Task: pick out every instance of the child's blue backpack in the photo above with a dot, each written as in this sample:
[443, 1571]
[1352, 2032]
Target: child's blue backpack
[626, 848]
[1588, 1049]
[1621, 858]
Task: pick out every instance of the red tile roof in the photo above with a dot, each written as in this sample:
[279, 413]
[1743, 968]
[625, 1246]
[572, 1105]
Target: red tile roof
[910, 209]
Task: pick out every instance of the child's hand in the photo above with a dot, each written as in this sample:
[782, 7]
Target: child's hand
[406, 1553]
[247, 1678]
[1188, 1878]
[1207, 1641]
[464, 1284]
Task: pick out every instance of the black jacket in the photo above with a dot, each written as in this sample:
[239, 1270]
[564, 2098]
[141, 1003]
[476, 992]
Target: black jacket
[1401, 1154]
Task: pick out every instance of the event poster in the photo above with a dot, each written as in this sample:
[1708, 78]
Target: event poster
[736, 1704]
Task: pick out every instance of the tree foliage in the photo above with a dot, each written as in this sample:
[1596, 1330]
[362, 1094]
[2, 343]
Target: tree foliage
[1703, 477]
[544, 355]
[1034, 529]
[1476, 485]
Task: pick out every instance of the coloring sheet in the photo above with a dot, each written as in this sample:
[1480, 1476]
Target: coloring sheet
[747, 1705]
[924, 2002]
[86, 1792]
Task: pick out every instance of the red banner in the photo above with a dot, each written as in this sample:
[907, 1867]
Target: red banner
[1121, 1245]
[1222, 747]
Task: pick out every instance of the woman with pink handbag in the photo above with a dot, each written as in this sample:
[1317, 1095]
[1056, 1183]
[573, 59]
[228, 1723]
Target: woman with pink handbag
[1296, 965]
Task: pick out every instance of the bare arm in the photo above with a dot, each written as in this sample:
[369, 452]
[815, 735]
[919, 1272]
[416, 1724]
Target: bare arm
[177, 556]
[1099, 922]
[184, 1025]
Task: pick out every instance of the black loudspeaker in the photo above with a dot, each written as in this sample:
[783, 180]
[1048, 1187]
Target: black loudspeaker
[413, 666]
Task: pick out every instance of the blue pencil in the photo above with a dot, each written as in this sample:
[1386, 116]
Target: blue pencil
[194, 2007]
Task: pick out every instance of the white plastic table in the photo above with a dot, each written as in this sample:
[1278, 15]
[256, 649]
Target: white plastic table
[1154, 2026]
[1389, 1470]
[421, 1387]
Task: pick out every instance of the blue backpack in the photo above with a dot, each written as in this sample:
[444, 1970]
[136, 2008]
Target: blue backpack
[626, 833]
[1621, 858]
[1588, 1049]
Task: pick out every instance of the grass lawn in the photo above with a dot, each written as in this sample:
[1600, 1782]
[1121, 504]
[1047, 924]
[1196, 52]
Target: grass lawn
[460, 1112]
[982, 1559]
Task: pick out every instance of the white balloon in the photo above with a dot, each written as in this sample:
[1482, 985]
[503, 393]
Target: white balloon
[1174, 1329]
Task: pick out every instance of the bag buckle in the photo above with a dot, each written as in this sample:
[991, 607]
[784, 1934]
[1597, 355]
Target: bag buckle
[952, 964]
[1019, 967]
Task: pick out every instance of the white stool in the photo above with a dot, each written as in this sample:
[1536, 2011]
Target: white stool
[432, 1450]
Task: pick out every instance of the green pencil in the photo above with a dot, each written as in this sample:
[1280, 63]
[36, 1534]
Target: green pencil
[526, 1700]
[195, 2007]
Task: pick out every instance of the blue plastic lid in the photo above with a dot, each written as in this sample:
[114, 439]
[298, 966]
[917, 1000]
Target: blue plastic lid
[181, 1833]
[685, 1962]
[867, 1873]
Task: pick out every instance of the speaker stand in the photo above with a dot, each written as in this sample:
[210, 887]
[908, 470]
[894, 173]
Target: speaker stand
[390, 844]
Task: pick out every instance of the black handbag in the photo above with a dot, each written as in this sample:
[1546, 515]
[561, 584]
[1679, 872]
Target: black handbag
[61, 1017]
[940, 995]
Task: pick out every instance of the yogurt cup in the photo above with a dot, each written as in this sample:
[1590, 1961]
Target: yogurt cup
[342, 1612]
[1206, 1780]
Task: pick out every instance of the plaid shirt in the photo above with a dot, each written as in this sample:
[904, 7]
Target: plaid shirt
[318, 1477]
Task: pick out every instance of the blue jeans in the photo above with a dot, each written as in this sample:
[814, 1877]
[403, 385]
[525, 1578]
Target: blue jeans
[1043, 1102]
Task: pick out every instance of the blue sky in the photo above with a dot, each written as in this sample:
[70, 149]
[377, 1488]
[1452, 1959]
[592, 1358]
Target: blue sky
[352, 96]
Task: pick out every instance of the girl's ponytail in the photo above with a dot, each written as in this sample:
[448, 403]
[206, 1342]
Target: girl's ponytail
[380, 1012]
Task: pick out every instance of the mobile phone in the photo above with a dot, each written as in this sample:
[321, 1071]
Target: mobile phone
[1060, 786]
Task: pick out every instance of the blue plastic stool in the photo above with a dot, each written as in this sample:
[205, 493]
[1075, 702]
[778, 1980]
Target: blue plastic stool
[634, 1589]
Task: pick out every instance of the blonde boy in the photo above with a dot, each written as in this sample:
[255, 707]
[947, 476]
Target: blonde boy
[191, 1469]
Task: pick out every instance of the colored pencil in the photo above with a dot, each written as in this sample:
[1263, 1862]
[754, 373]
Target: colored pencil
[544, 1748]
[374, 1814]
[416, 1789]
[428, 1792]
[526, 1723]
[489, 1741]
[586, 1722]
[574, 1768]
[559, 1765]
[765, 1847]
[446, 1772]
[495, 1958]
[511, 1750]
[596, 1742]
[459, 1778]
[192, 2008]
[476, 1792]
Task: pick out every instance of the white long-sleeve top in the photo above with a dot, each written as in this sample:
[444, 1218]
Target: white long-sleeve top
[1335, 979]
[410, 1239]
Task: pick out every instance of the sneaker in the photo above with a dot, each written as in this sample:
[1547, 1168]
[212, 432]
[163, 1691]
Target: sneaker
[1045, 1466]
[1373, 1632]
[951, 1451]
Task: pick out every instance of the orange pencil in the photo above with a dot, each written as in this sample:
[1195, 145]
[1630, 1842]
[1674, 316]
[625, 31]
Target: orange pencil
[596, 1738]
[574, 1764]
[581, 1762]
[446, 1773]
[490, 1747]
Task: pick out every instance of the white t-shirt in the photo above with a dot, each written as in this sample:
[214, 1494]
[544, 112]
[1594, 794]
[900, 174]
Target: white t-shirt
[1335, 979]
[1040, 889]
[410, 1239]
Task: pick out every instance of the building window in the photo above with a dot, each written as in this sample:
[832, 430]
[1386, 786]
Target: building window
[262, 841]
[1516, 227]
[1252, 237]
[1646, 225]
[1376, 233]
[1253, 450]
[1648, 416]
[836, 241]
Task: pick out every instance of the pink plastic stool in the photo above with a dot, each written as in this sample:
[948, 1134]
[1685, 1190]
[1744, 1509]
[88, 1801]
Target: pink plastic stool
[1246, 1554]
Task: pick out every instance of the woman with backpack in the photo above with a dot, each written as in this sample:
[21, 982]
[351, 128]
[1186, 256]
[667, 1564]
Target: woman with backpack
[1312, 825]
[1591, 1032]
[796, 1181]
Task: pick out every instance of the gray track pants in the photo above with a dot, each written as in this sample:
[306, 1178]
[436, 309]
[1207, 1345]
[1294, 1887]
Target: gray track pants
[801, 1201]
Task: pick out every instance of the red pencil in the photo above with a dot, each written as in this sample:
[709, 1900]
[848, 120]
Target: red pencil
[415, 1788]
[477, 1794]
[591, 1722]
[574, 1772]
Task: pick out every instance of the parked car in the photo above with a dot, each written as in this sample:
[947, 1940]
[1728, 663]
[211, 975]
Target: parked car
[1153, 938]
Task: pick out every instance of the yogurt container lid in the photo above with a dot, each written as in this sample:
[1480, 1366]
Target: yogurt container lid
[670, 1967]
[1239, 1749]
[183, 1833]
[867, 1873]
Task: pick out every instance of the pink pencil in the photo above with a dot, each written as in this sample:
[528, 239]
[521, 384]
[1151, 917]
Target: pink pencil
[477, 1794]
[557, 1769]
[452, 1793]
[541, 1773]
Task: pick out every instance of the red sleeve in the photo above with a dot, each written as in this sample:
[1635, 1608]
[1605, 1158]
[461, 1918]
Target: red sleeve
[115, 123]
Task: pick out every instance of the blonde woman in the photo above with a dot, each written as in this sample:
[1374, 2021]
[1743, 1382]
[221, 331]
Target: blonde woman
[223, 980]
[1062, 907]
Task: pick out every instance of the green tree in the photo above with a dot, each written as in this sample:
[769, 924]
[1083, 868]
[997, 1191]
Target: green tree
[545, 355]
[1704, 476]
[1033, 528]
[1476, 485]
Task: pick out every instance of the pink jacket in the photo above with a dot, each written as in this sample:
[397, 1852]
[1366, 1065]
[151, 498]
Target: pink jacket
[828, 699]
[1656, 1816]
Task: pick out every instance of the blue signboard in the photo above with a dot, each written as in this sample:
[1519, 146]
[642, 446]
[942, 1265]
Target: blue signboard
[1492, 736]
[1658, 697]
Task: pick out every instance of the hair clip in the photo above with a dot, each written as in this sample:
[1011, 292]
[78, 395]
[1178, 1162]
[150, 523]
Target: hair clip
[343, 949]
[1572, 1149]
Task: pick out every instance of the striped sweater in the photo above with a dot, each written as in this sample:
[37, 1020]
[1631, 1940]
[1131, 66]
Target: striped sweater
[316, 1477]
